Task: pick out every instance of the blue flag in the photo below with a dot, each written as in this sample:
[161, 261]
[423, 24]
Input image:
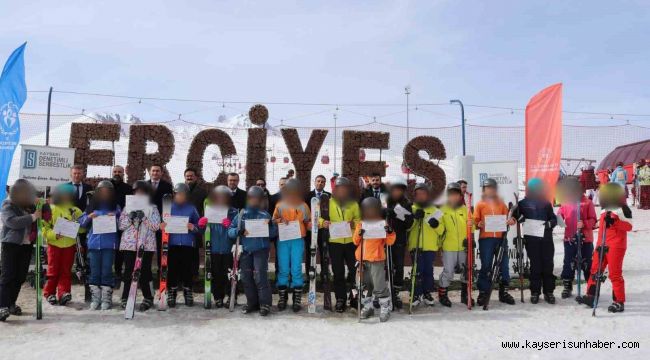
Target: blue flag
[13, 93]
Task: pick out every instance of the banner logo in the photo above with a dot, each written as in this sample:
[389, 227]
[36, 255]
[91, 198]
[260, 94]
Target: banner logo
[9, 124]
[30, 159]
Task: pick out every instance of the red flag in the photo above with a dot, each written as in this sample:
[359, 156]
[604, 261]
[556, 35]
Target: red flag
[544, 136]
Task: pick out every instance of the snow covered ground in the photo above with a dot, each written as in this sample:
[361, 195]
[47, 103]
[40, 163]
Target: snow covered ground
[433, 333]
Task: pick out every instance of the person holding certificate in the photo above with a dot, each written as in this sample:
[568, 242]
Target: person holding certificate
[536, 214]
[181, 226]
[400, 217]
[100, 220]
[254, 231]
[60, 232]
[219, 214]
[132, 238]
[374, 257]
[424, 240]
[292, 217]
[490, 216]
[344, 215]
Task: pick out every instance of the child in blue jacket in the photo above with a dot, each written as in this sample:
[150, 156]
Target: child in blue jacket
[220, 242]
[181, 247]
[254, 258]
[101, 247]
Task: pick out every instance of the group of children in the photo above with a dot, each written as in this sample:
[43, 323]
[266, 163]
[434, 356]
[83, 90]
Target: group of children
[421, 227]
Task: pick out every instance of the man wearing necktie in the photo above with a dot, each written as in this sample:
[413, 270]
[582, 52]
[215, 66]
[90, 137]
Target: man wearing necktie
[321, 194]
[375, 188]
[77, 177]
[159, 188]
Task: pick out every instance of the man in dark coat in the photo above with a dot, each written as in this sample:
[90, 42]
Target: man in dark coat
[122, 189]
[159, 188]
[77, 177]
[196, 196]
[375, 188]
[238, 195]
[320, 193]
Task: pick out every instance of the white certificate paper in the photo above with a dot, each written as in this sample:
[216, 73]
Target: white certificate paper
[257, 227]
[66, 228]
[291, 231]
[340, 230]
[176, 224]
[495, 223]
[104, 224]
[534, 227]
[374, 229]
[401, 212]
[216, 214]
[136, 202]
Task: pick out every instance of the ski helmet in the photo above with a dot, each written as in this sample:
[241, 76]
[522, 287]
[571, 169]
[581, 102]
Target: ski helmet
[292, 185]
[421, 186]
[64, 189]
[535, 184]
[105, 184]
[142, 185]
[222, 190]
[342, 181]
[454, 186]
[255, 192]
[181, 188]
[370, 203]
[489, 182]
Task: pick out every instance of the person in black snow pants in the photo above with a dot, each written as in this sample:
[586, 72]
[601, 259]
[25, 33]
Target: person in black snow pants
[536, 214]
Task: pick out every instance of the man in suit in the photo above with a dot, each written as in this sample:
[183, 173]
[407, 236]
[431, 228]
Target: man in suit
[159, 188]
[196, 196]
[375, 188]
[320, 193]
[238, 195]
[77, 177]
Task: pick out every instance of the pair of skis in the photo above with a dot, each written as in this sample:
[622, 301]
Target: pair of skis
[38, 264]
[414, 267]
[164, 252]
[578, 264]
[129, 311]
[315, 215]
[519, 254]
[599, 276]
[234, 273]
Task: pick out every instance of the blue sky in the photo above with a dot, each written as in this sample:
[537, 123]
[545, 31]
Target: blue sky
[483, 52]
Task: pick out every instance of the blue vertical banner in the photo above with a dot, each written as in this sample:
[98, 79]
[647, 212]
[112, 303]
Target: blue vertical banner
[13, 93]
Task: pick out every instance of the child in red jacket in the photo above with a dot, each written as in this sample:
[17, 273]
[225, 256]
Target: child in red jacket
[614, 225]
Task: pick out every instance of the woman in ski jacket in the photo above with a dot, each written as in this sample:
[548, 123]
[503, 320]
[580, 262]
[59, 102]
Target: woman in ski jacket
[144, 235]
[61, 249]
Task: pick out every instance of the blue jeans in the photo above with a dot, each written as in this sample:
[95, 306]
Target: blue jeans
[424, 272]
[254, 269]
[488, 247]
[101, 267]
[570, 253]
[290, 254]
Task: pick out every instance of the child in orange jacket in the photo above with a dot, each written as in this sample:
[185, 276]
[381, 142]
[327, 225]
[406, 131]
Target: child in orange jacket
[614, 224]
[373, 259]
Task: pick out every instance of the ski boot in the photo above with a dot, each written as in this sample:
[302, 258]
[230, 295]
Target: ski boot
[549, 298]
[145, 305]
[249, 309]
[416, 301]
[567, 288]
[265, 309]
[188, 296]
[297, 299]
[95, 297]
[443, 297]
[107, 297]
[15, 310]
[588, 298]
[482, 298]
[367, 308]
[171, 297]
[616, 307]
[463, 295]
[397, 301]
[340, 306]
[65, 299]
[375, 303]
[283, 298]
[4, 314]
[218, 303]
[52, 299]
[353, 300]
[428, 299]
[534, 297]
[384, 312]
[123, 302]
[504, 297]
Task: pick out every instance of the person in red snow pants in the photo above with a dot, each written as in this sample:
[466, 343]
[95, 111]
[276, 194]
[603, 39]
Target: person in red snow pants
[616, 242]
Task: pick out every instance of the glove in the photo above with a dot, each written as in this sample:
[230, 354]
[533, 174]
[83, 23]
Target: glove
[473, 244]
[433, 222]
[626, 211]
[242, 231]
[389, 213]
[419, 214]
[203, 222]
[609, 219]
[226, 222]
[133, 215]
[389, 230]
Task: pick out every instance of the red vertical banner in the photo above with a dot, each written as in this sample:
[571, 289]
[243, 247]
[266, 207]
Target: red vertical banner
[544, 136]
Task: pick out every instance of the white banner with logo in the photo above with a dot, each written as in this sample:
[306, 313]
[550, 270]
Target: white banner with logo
[504, 172]
[45, 165]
